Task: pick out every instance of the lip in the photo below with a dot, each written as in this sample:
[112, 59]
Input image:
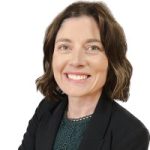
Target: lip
[77, 73]
[77, 81]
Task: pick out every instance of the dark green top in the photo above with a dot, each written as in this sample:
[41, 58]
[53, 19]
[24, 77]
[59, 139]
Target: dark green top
[70, 133]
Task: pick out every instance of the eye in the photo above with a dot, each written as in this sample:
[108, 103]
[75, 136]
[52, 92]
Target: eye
[63, 47]
[93, 49]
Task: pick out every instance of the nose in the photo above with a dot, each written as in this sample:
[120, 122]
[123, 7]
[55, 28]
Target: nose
[77, 58]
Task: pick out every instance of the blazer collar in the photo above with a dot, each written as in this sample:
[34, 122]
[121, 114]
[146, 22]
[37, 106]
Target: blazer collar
[95, 131]
[47, 130]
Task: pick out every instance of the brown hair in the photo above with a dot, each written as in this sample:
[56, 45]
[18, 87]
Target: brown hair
[114, 42]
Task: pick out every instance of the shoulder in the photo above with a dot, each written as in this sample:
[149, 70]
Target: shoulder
[45, 106]
[123, 117]
[126, 126]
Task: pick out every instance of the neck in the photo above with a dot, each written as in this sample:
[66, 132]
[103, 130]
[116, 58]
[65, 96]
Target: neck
[82, 106]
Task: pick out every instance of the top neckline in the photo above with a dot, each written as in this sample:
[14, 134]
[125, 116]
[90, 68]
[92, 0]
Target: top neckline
[87, 117]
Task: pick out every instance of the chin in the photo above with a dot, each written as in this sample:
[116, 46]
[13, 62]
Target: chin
[76, 93]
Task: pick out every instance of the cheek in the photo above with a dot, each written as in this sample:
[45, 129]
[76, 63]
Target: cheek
[101, 69]
[104, 69]
[101, 75]
[55, 65]
[104, 66]
[58, 64]
[100, 64]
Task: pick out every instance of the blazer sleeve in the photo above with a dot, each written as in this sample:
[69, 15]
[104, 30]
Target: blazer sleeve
[136, 140]
[28, 142]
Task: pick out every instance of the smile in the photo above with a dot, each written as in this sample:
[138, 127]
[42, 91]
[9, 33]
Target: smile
[77, 77]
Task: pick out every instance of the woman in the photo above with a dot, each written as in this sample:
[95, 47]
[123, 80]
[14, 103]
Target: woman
[85, 71]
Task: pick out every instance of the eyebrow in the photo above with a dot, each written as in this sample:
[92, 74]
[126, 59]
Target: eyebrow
[90, 40]
[63, 40]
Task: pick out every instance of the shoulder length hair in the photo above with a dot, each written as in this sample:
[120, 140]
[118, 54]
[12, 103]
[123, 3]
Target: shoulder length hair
[114, 42]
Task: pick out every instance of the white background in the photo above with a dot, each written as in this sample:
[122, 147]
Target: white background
[22, 27]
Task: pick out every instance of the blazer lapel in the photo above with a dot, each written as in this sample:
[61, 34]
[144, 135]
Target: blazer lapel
[95, 133]
[48, 130]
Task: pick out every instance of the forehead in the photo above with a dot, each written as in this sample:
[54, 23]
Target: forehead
[79, 27]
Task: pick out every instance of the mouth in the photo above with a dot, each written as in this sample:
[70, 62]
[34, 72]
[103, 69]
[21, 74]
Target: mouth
[77, 76]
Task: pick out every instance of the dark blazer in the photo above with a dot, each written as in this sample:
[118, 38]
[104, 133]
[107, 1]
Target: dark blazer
[111, 127]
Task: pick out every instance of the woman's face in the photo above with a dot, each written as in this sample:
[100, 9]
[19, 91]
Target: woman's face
[79, 60]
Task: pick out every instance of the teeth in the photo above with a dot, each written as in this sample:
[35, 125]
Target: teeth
[77, 77]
